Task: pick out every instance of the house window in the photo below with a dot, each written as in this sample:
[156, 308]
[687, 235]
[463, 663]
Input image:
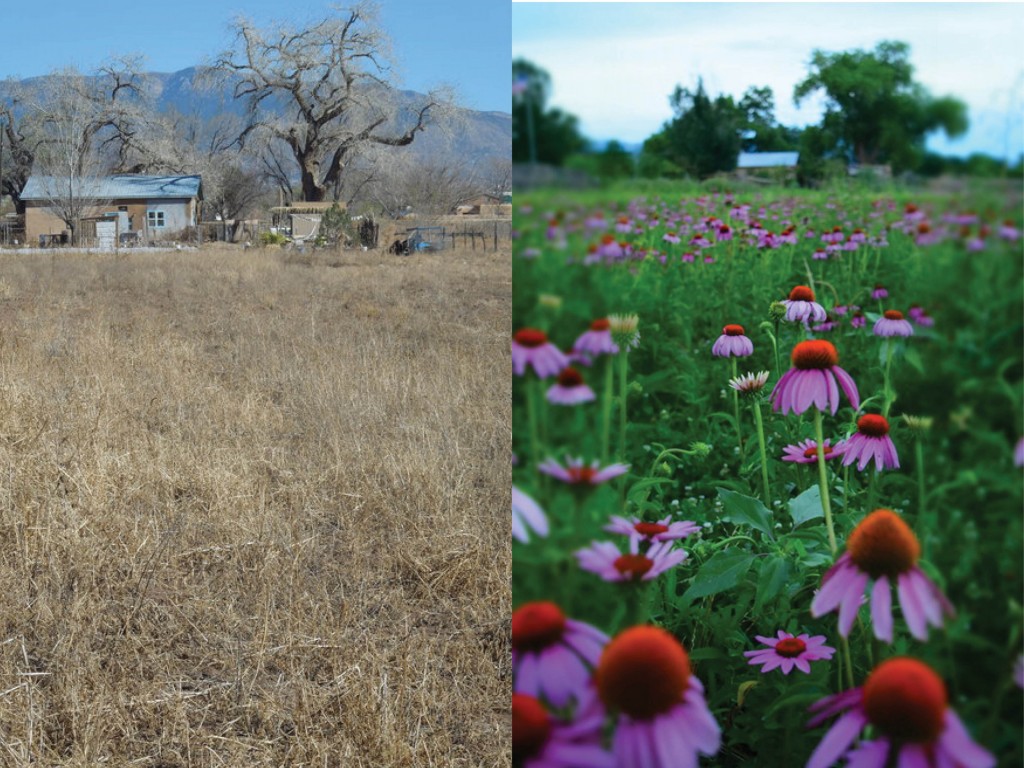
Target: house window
[155, 219]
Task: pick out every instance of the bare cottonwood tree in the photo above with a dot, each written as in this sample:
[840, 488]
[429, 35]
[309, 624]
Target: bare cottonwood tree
[21, 139]
[426, 188]
[334, 80]
[67, 166]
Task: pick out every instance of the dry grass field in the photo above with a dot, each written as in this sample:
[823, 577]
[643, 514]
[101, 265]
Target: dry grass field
[254, 510]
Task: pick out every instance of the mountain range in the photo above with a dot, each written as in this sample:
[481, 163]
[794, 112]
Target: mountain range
[474, 137]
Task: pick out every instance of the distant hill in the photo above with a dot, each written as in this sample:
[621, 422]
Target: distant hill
[477, 136]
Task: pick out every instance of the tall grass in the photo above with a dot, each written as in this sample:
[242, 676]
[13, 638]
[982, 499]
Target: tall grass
[254, 511]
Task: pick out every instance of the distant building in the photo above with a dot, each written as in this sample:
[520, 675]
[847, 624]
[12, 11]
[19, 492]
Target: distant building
[141, 208]
[487, 205]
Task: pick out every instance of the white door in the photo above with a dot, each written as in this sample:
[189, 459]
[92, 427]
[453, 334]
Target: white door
[106, 234]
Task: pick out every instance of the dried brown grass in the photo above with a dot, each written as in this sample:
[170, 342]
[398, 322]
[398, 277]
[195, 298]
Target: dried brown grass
[254, 510]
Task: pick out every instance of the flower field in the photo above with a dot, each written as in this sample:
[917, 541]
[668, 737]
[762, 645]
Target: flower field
[767, 487]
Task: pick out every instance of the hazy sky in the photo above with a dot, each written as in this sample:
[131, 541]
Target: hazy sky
[613, 65]
[465, 44]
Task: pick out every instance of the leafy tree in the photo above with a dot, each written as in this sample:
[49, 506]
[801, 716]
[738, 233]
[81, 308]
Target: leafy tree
[704, 136]
[540, 134]
[874, 109]
[615, 162]
[761, 132]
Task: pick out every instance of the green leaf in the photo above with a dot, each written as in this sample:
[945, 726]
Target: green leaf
[723, 571]
[913, 357]
[772, 578]
[806, 506]
[746, 510]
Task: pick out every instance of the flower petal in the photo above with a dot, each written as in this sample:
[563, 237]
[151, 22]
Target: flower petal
[881, 609]
[912, 610]
[838, 738]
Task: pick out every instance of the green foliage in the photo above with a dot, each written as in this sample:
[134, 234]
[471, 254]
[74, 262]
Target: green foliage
[335, 226]
[540, 134]
[272, 238]
[703, 138]
[874, 109]
[754, 567]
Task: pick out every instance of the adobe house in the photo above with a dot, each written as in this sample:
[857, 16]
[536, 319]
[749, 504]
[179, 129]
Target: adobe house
[145, 208]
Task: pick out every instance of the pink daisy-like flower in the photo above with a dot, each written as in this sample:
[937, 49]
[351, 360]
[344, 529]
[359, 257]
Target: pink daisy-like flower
[914, 726]
[663, 530]
[891, 323]
[871, 441]
[570, 389]
[526, 514]
[597, 340]
[879, 292]
[801, 306]
[1018, 671]
[663, 721]
[576, 473]
[858, 320]
[552, 655]
[732, 343]
[806, 451]
[882, 549]
[787, 651]
[540, 740]
[671, 237]
[531, 347]
[812, 380]
[1018, 453]
[605, 559]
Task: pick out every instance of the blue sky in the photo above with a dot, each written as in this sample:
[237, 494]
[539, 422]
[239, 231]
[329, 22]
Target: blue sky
[613, 65]
[465, 44]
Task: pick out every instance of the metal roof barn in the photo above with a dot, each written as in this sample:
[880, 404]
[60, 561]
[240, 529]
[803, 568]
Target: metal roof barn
[767, 159]
[119, 187]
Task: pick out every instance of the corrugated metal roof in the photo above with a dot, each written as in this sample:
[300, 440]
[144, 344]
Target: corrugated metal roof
[767, 159]
[117, 187]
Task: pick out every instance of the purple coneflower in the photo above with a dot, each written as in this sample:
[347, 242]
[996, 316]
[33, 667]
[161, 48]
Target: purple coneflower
[871, 441]
[801, 306]
[531, 347]
[914, 726]
[806, 451]
[671, 237]
[597, 340]
[883, 549]
[540, 740]
[812, 380]
[857, 319]
[663, 530]
[787, 651]
[605, 559]
[552, 655]
[1008, 231]
[1018, 453]
[892, 323]
[732, 343]
[879, 292]
[570, 389]
[576, 473]
[526, 513]
[663, 721]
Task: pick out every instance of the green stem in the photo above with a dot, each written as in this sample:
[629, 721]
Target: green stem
[622, 404]
[531, 415]
[890, 395]
[826, 504]
[923, 528]
[848, 659]
[606, 407]
[764, 454]
[736, 408]
[775, 346]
